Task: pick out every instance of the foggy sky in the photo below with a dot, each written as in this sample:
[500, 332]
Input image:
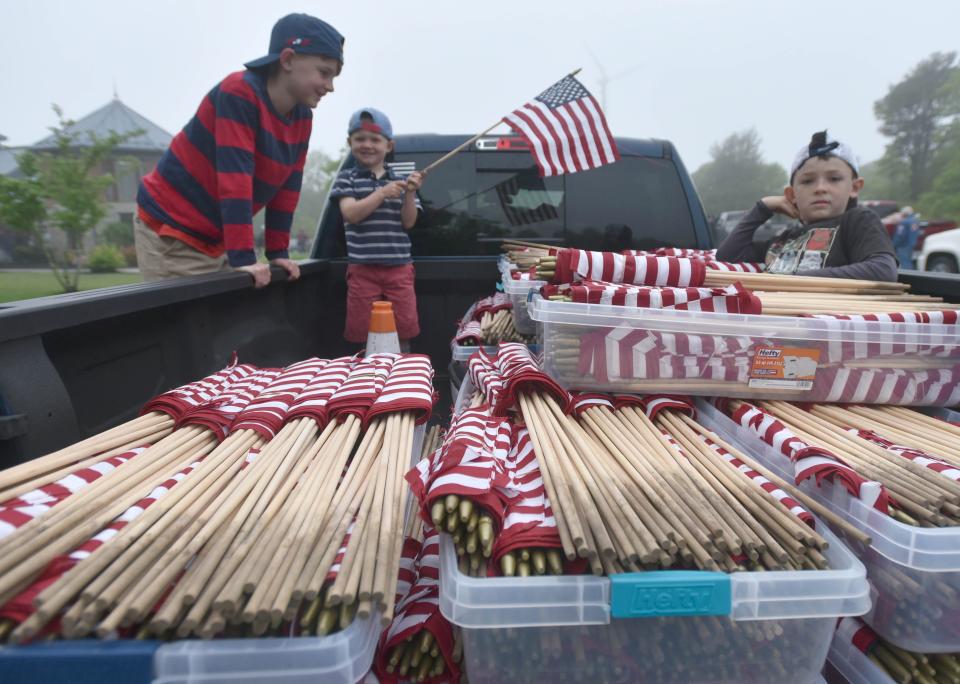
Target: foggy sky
[690, 71]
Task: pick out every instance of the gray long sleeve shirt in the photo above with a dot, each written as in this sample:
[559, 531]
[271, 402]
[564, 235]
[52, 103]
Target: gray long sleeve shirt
[854, 245]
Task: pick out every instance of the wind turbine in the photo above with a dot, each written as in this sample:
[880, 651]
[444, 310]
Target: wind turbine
[604, 80]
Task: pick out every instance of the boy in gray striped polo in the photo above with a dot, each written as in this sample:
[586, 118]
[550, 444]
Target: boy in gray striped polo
[378, 209]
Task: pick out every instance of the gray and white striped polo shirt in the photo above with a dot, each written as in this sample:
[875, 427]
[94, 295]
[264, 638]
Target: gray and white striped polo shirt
[380, 238]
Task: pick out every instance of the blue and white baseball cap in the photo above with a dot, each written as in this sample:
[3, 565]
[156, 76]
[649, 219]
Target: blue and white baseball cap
[304, 35]
[378, 122]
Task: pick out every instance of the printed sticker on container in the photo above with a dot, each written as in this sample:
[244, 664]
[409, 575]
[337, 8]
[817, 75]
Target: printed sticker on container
[784, 368]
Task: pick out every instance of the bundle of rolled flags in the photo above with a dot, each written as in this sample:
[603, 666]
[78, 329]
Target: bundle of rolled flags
[489, 321]
[859, 340]
[253, 501]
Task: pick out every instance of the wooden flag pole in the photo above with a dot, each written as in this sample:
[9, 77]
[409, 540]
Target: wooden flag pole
[462, 146]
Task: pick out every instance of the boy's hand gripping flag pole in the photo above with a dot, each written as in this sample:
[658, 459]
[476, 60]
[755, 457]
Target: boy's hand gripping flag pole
[564, 127]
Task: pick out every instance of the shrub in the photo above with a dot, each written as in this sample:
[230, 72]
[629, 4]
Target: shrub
[105, 259]
[118, 233]
[129, 255]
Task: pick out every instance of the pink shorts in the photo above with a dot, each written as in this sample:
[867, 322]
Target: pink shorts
[368, 284]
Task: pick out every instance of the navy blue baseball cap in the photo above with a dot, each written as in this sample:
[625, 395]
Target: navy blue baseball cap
[378, 122]
[303, 34]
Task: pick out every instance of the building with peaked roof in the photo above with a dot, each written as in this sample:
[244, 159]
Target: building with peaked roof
[118, 117]
[130, 161]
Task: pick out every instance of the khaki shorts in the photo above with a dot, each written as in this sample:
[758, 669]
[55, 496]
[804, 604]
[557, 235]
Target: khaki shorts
[162, 257]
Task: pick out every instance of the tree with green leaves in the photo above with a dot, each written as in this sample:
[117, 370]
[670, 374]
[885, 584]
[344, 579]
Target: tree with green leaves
[62, 189]
[943, 199]
[318, 173]
[737, 175]
[916, 113]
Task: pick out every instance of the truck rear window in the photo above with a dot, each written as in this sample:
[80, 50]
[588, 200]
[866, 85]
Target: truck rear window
[476, 199]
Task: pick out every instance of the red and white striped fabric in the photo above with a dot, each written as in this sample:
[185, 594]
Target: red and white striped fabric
[871, 335]
[407, 574]
[582, 401]
[623, 354]
[565, 129]
[21, 606]
[528, 519]
[419, 610]
[687, 252]
[486, 377]
[17, 512]
[313, 401]
[708, 256]
[621, 401]
[888, 386]
[521, 372]
[574, 265]
[529, 274]
[855, 631]
[788, 501]
[427, 569]
[338, 559]
[739, 267]
[268, 411]
[218, 414]
[808, 460]
[686, 344]
[178, 401]
[730, 299]
[949, 317]
[491, 304]
[408, 387]
[469, 333]
[132, 513]
[362, 387]
[653, 404]
[470, 463]
[911, 454]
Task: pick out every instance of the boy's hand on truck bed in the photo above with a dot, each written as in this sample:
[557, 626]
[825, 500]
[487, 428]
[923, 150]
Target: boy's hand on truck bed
[288, 265]
[260, 273]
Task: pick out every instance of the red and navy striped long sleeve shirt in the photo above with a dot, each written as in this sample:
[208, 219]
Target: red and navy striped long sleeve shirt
[235, 156]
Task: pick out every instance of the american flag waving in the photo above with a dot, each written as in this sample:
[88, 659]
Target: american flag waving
[565, 128]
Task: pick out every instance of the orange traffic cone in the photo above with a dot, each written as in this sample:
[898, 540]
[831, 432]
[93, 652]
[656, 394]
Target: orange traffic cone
[382, 336]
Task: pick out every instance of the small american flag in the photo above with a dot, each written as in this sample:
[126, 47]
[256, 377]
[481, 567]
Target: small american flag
[565, 128]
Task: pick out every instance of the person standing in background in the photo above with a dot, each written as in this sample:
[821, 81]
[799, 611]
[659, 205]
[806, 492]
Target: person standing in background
[905, 237]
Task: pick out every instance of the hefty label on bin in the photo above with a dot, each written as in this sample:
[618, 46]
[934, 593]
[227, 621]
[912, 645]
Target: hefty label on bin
[792, 368]
[669, 592]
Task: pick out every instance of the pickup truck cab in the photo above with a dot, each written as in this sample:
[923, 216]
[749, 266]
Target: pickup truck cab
[492, 191]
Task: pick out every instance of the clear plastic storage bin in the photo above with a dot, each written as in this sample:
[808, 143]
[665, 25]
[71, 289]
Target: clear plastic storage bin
[460, 353]
[761, 627]
[914, 572]
[670, 626]
[624, 349]
[856, 667]
[341, 658]
[519, 290]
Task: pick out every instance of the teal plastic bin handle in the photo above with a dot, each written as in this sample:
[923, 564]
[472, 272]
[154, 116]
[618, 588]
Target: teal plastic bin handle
[669, 592]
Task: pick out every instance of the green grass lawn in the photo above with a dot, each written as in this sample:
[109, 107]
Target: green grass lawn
[27, 285]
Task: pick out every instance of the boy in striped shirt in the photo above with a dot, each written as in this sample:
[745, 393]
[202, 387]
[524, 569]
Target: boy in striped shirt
[378, 209]
[243, 150]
